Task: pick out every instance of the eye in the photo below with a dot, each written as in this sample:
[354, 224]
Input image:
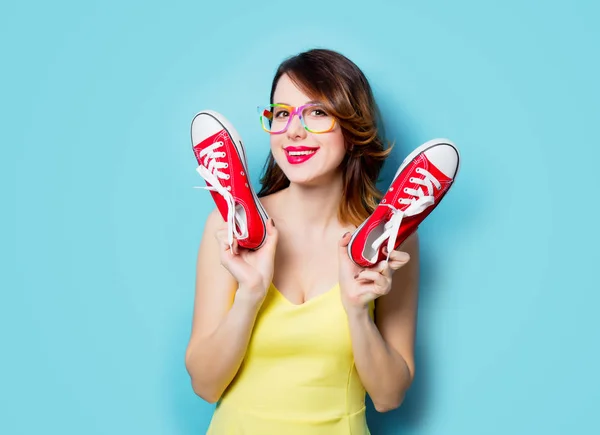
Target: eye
[281, 113]
[317, 111]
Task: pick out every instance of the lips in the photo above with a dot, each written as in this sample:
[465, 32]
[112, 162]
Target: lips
[297, 155]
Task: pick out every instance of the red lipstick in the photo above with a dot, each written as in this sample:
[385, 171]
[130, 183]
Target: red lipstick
[299, 154]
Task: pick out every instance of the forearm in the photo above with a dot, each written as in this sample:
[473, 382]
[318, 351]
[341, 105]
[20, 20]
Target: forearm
[214, 359]
[382, 370]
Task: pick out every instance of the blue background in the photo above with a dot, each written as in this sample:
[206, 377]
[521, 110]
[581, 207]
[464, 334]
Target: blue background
[101, 224]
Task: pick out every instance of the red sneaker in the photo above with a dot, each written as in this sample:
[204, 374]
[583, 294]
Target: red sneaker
[433, 166]
[222, 163]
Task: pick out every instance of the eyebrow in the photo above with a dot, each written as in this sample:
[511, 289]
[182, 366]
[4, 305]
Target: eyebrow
[308, 102]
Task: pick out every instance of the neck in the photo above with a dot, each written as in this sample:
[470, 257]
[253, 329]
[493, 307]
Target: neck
[313, 207]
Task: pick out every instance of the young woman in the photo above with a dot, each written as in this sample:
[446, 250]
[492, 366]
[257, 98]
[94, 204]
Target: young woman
[287, 338]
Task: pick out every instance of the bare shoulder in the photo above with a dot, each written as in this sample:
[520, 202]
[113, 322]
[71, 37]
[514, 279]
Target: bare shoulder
[209, 271]
[214, 220]
[396, 312]
[215, 287]
[272, 203]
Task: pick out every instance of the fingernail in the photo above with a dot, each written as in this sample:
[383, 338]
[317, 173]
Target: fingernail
[345, 234]
[403, 256]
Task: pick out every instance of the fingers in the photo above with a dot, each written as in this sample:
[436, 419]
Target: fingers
[272, 234]
[382, 268]
[380, 281]
[381, 273]
[222, 237]
[343, 243]
[271, 230]
[347, 267]
[396, 260]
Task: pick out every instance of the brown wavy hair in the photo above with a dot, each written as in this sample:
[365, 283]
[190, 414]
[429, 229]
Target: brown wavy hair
[335, 81]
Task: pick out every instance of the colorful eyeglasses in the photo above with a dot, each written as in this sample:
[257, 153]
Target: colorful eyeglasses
[276, 118]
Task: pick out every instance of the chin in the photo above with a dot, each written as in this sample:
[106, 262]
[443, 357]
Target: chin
[310, 173]
[306, 182]
[312, 179]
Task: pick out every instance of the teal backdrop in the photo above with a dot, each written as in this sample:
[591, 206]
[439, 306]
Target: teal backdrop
[101, 223]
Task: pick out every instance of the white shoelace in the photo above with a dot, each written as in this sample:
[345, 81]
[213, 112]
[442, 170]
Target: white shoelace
[210, 170]
[417, 200]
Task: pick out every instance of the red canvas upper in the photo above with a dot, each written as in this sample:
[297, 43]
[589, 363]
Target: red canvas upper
[239, 186]
[382, 213]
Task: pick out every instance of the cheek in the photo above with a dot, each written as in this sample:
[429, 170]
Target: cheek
[275, 143]
[337, 146]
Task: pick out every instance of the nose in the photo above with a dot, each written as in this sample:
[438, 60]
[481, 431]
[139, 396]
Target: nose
[295, 129]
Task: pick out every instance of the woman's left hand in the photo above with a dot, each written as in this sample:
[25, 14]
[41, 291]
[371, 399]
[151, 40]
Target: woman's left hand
[358, 285]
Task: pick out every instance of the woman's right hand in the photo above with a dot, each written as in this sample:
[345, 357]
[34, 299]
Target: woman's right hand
[252, 269]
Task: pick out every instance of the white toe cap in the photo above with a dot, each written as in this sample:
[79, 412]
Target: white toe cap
[204, 125]
[444, 156]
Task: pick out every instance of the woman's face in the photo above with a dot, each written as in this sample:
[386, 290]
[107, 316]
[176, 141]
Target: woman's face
[304, 157]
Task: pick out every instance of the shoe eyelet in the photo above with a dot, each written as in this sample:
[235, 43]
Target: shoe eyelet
[418, 170]
[383, 201]
[411, 179]
[226, 165]
[242, 173]
[405, 190]
[229, 188]
[246, 184]
[391, 189]
[228, 177]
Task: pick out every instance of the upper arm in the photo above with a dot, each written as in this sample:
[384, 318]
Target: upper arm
[215, 286]
[396, 312]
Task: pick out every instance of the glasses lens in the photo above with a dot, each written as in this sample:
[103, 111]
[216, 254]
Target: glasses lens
[274, 118]
[317, 119]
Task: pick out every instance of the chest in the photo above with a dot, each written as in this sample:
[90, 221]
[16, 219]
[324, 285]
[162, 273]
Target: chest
[305, 269]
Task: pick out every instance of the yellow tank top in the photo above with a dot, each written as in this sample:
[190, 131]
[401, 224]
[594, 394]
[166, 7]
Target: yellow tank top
[298, 376]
